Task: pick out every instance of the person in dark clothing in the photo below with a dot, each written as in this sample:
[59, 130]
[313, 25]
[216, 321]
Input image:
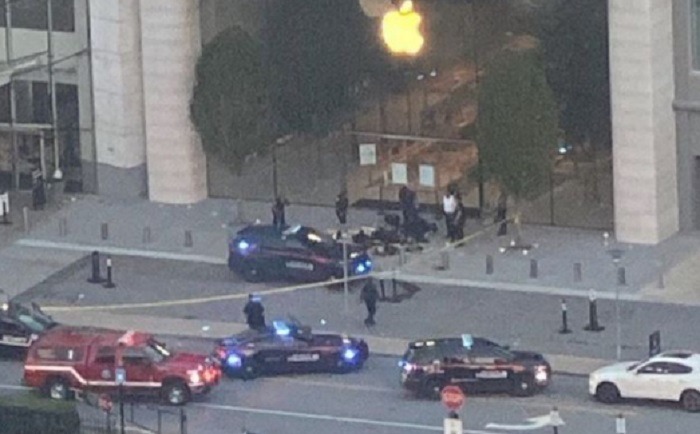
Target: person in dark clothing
[254, 313]
[278, 217]
[460, 218]
[501, 215]
[407, 200]
[39, 194]
[341, 207]
[369, 296]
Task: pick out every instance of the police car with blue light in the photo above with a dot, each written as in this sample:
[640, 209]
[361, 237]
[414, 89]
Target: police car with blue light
[477, 365]
[262, 252]
[289, 348]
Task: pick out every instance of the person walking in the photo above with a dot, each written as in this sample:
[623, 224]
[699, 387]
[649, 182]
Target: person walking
[278, 217]
[254, 313]
[369, 296]
[501, 215]
[341, 207]
[460, 218]
[449, 209]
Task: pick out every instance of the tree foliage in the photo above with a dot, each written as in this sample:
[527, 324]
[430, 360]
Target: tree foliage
[575, 41]
[319, 50]
[518, 123]
[228, 106]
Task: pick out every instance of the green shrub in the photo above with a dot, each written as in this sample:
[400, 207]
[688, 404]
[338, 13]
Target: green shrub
[28, 413]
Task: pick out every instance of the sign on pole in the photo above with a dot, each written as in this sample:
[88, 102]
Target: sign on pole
[452, 397]
[120, 376]
[452, 426]
[368, 154]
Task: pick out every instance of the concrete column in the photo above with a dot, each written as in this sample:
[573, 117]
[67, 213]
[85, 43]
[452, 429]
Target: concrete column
[85, 109]
[644, 142]
[118, 97]
[170, 38]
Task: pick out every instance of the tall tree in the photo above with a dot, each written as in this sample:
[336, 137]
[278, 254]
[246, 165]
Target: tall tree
[518, 124]
[319, 50]
[228, 105]
[575, 41]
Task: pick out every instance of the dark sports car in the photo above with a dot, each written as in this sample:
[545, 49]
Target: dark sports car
[474, 364]
[261, 252]
[289, 348]
[20, 325]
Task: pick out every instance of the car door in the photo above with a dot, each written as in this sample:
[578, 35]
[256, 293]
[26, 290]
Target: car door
[492, 373]
[100, 370]
[298, 260]
[649, 381]
[139, 368]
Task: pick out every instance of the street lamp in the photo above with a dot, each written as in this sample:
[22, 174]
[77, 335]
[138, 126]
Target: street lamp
[616, 255]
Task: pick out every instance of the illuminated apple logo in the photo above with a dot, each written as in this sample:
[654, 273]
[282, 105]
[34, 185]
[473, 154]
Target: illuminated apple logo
[401, 30]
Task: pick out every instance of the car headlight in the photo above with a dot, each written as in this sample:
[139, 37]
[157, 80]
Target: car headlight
[349, 354]
[195, 377]
[541, 374]
[234, 360]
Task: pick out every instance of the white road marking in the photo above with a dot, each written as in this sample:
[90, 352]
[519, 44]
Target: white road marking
[331, 418]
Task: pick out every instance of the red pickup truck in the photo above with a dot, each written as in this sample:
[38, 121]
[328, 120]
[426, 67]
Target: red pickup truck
[66, 359]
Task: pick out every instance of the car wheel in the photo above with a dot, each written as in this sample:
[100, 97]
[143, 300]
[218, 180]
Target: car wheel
[57, 388]
[176, 393]
[249, 371]
[607, 393]
[523, 386]
[690, 400]
[252, 273]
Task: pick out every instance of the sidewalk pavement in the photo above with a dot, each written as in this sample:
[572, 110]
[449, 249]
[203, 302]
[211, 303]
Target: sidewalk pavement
[393, 347]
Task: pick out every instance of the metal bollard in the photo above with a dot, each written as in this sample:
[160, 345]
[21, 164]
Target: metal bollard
[564, 319]
[533, 268]
[25, 218]
[146, 238]
[104, 231]
[578, 274]
[95, 275]
[62, 227]
[109, 283]
[444, 260]
[489, 264]
[188, 239]
[593, 325]
[621, 278]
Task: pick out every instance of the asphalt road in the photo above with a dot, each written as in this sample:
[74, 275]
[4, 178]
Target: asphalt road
[372, 402]
[522, 320]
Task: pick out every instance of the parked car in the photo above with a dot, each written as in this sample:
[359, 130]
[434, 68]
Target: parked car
[20, 325]
[474, 364]
[68, 359]
[669, 376]
[262, 252]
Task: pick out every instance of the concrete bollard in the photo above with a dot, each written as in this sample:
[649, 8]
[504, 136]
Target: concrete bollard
[146, 237]
[104, 231]
[402, 255]
[578, 274]
[25, 218]
[533, 269]
[5, 214]
[109, 283]
[489, 264]
[621, 278]
[444, 260]
[95, 267]
[62, 227]
[188, 239]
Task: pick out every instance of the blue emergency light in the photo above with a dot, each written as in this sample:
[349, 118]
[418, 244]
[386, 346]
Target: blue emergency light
[234, 360]
[281, 328]
[349, 354]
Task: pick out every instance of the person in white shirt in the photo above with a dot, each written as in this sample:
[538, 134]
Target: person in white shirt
[449, 208]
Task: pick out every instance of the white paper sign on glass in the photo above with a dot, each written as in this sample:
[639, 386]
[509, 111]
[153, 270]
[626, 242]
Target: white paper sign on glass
[368, 154]
[399, 173]
[426, 175]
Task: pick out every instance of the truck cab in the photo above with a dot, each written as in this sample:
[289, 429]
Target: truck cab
[69, 359]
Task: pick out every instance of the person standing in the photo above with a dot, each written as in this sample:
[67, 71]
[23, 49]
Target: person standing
[449, 208]
[341, 207]
[369, 296]
[460, 218]
[501, 215]
[278, 217]
[254, 313]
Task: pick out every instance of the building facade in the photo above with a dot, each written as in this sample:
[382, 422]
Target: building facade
[131, 70]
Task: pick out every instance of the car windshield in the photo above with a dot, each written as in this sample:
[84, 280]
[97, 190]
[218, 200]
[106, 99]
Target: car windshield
[36, 323]
[156, 351]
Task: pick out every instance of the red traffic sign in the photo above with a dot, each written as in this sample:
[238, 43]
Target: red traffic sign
[452, 397]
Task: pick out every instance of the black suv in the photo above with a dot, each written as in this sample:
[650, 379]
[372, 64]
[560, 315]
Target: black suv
[474, 364]
[262, 252]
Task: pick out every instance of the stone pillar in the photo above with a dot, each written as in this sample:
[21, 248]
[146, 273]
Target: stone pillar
[170, 42]
[644, 142]
[118, 97]
[85, 109]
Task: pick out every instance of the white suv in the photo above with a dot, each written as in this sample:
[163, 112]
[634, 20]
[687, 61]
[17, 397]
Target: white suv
[669, 376]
